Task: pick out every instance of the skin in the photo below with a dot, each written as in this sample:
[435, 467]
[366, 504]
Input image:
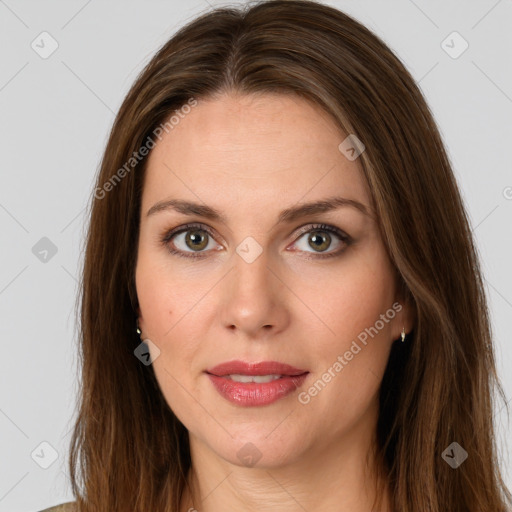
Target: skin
[251, 157]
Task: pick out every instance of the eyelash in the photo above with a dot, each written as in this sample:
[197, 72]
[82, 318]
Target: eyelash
[314, 227]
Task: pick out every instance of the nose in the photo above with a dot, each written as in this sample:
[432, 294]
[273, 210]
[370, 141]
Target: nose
[253, 298]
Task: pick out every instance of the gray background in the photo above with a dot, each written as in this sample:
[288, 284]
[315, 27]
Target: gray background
[55, 117]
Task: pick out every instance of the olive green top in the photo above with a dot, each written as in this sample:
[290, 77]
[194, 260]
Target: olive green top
[63, 507]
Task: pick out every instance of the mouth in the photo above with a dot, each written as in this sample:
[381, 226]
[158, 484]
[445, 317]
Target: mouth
[252, 384]
[260, 379]
[261, 369]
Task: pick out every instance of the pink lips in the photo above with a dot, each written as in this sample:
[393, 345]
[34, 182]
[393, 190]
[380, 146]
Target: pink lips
[254, 393]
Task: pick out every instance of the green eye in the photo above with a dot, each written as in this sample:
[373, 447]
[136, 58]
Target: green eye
[192, 240]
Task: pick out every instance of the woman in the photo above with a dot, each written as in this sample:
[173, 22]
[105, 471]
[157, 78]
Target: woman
[282, 306]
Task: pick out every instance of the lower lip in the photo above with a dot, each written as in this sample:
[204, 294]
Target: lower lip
[254, 393]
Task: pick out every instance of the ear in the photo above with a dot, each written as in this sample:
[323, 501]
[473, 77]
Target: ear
[406, 315]
[139, 319]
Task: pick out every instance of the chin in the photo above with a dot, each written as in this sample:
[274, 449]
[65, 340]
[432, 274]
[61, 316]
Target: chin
[255, 448]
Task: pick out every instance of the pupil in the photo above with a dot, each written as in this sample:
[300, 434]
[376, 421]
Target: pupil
[318, 240]
[196, 240]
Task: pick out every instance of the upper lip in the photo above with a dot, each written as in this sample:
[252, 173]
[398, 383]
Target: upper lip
[259, 368]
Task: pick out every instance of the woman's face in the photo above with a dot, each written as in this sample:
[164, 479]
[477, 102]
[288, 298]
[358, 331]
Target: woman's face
[260, 283]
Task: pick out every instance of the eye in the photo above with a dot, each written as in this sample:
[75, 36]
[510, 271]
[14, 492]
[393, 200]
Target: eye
[320, 239]
[191, 236]
[198, 238]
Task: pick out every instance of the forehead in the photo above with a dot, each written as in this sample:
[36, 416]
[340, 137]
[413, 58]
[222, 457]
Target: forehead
[266, 148]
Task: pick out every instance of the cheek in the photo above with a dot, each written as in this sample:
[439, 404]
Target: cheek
[354, 300]
[168, 304]
[353, 353]
[156, 301]
[160, 291]
[165, 324]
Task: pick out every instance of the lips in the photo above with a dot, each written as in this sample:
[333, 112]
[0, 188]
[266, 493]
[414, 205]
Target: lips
[262, 368]
[255, 384]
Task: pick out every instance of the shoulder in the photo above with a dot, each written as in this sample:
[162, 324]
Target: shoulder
[63, 507]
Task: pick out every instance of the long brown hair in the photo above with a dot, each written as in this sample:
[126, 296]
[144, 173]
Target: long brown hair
[128, 450]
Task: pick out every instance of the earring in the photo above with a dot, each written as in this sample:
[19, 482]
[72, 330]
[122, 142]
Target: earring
[403, 334]
[139, 332]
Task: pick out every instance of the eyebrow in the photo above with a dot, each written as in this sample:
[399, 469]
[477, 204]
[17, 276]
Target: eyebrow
[287, 215]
